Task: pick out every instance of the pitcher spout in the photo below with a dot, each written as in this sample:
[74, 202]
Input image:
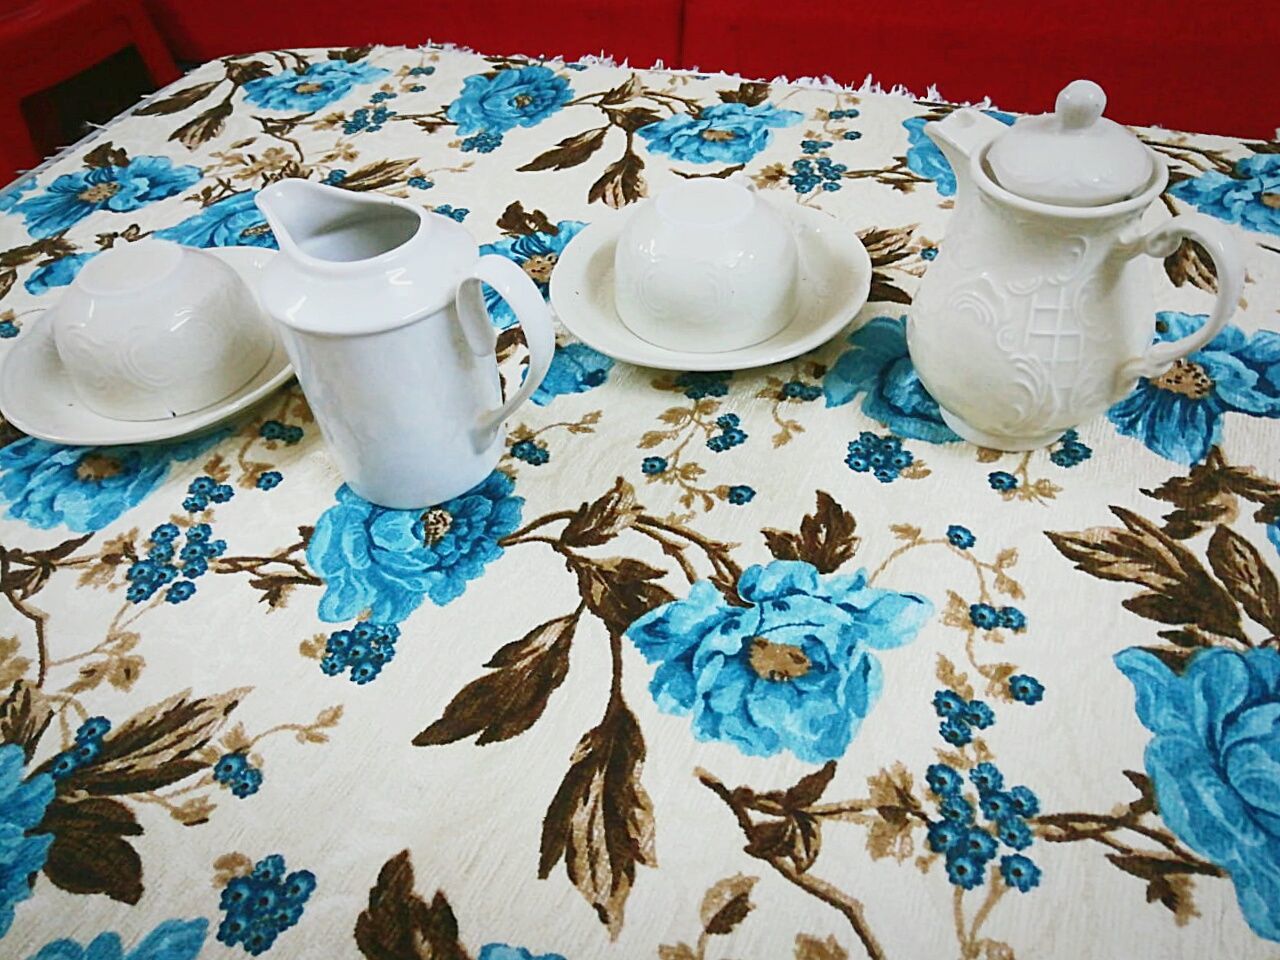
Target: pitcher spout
[959, 136]
[313, 222]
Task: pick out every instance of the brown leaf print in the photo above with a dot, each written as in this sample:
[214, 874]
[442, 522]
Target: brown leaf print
[399, 925]
[627, 90]
[507, 702]
[1168, 882]
[621, 183]
[177, 101]
[89, 853]
[1191, 263]
[106, 155]
[633, 118]
[727, 904]
[604, 518]
[516, 222]
[1245, 574]
[205, 126]
[750, 93]
[811, 948]
[24, 716]
[1207, 495]
[619, 590]
[826, 537]
[1178, 588]
[600, 821]
[7, 280]
[569, 152]
[376, 175]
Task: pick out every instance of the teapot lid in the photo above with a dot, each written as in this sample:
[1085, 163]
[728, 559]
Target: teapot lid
[1072, 157]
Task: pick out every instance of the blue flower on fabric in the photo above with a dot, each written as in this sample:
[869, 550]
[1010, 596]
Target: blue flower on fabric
[1179, 413]
[793, 671]
[387, 561]
[73, 196]
[1213, 760]
[496, 103]
[724, 133]
[500, 951]
[22, 806]
[536, 254]
[170, 940]
[12, 195]
[233, 221]
[261, 906]
[926, 160]
[1250, 196]
[575, 368]
[85, 488]
[57, 273]
[880, 368]
[314, 88]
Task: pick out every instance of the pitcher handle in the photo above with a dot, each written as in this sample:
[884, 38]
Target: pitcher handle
[1224, 250]
[525, 300]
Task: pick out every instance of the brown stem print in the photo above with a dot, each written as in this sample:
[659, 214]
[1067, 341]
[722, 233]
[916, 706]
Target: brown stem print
[275, 575]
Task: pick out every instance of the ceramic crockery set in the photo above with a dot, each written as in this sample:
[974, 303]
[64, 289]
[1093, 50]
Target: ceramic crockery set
[1034, 317]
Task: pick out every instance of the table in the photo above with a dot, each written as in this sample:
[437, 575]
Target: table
[753, 665]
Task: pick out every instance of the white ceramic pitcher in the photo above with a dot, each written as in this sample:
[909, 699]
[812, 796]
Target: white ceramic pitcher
[386, 326]
[1037, 313]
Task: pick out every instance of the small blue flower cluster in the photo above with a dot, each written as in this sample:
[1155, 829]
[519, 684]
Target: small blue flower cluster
[929, 253]
[421, 183]
[269, 479]
[334, 178]
[699, 385]
[158, 569]
[959, 716]
[263, 905]
[1026, 689]
[365, 649]
[799, 390]
[1072, 452]
[417, 88]
[482, 142]
[652, 466]
[422, 71]
[87, 746]
[969, 847]
[275, 430]
[883, 457]
[814, 146]
[8, 329]
[365, 118]
[805, 178]
[986, 617]
[234, 771]
[1002, 481]
[730, 434]
[961, 537]
[852, 135]
[530, 452]
[740, 494]
[205, 490]
[382, 96]
[445, 210]
[846, 114]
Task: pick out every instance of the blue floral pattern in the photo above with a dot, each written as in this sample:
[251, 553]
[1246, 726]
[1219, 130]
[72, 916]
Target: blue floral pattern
[22, 851]
[1179, 414]
[1249, 196]
[312, 88]
[57, 273]
[520, 97]
[725, 133]
[575, 368]
[536, 254]
[233, 221]
[500, 951]
[925, 159]
[388, 561]
[171, 940]
[795, 670]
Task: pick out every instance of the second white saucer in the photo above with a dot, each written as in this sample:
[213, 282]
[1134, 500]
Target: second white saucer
[835, 280]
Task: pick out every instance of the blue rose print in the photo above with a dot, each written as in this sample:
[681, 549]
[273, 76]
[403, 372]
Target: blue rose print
[1215, 759]
[22, 806]
[1179, 413]
[171, 940]
[925, 159]
[496, 103]
[233, 221]
[1250, 196]
[724, 133]
[536, 254]
[59, 273]
[311, 89]
[793, 671]
[12, 194]
[881, 369]
[575, 368]
[73, 196]
[387, 561]
[85, 488]
[500, 951]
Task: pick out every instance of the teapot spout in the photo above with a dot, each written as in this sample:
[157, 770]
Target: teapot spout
[959, 136]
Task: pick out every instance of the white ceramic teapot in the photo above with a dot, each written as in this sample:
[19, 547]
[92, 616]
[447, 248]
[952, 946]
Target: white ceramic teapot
[1037, 314]
[386, 326]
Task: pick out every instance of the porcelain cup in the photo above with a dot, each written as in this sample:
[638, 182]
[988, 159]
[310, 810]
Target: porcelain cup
[151, 330]
[706, 266]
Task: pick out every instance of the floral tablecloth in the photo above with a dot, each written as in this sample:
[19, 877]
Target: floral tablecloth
[759, 665]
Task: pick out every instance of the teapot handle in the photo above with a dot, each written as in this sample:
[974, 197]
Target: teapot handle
[525, 300]
[1224, 250]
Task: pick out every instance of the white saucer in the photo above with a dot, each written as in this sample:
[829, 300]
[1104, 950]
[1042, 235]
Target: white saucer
[835, 280]
[37, 397]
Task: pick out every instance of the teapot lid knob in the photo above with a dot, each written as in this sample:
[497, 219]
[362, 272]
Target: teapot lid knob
[1080, 104]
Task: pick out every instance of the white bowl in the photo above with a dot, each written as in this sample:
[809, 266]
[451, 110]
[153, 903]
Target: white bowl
[707, 266]
[152, 330]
